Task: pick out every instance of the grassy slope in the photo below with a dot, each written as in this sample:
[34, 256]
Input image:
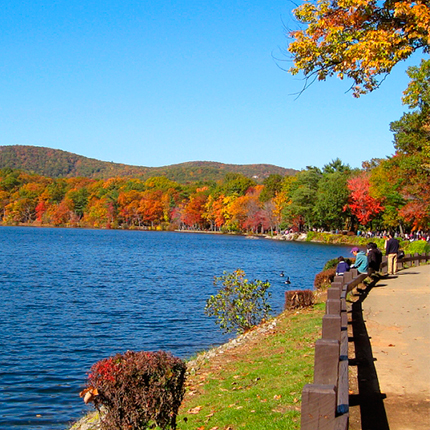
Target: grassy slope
[258, 384]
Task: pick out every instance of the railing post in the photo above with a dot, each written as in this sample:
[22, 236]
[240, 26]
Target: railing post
[347, 277]
[417, 259]
[331, 327]
[318, 407]
[333, 306]
[326, 365]
[338, 278]
[334, 291]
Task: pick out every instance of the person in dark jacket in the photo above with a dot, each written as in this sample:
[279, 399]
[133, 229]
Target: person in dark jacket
[374, 258]
[342, 266]
[391, 250]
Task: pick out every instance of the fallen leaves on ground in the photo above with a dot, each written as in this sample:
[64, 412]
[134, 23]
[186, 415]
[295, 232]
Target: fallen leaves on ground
[195, 410]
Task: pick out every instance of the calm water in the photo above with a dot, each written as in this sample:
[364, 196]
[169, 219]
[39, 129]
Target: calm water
[71, 297]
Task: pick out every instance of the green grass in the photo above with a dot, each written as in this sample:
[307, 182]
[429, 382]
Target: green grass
[258, 384]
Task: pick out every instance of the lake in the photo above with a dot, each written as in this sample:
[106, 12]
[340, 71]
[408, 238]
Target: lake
[70, 297]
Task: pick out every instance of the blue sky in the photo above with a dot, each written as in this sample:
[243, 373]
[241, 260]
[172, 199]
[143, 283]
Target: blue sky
[165, 82]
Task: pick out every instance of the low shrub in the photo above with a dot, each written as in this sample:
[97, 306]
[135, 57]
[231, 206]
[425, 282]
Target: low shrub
[311, 235]
[418, 246]
[330, 264]
[137, 390]
[334, 262]
[324, 278]
[299, 299]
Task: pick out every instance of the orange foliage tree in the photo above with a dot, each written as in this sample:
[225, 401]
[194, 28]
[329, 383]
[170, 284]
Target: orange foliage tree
[358, 39]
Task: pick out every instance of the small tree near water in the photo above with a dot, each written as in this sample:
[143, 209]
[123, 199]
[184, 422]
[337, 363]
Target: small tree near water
[239, 304]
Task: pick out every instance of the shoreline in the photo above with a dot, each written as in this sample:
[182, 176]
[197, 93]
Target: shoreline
[325, 238]
[314, 237]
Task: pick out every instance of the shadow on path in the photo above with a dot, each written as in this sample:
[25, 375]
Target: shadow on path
[370, 399]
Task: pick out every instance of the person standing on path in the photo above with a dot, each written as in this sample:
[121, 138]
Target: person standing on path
[391, 250]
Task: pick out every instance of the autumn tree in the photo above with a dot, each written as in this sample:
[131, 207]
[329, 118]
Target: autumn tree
[282, 201]
[256, 217]
[62, 213]
[97, 213]
[237, 209]
[151, 207]
[362, 205]
[359, 39]
[385, 179]
[214, 212]
[192, 213]
[128, 207]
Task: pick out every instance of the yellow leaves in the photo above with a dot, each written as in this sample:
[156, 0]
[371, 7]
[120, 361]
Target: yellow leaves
[89, 394]
[195, 410]
[359, 39]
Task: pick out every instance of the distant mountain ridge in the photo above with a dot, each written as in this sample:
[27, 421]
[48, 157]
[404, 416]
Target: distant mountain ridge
[56, 163]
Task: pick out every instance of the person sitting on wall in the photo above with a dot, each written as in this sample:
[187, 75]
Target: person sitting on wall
[361, 263]
[342, 266]
[374, 258]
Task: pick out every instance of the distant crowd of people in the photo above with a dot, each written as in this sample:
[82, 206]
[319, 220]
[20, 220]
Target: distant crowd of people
[379, 234]
[369, 262]
[416, 235]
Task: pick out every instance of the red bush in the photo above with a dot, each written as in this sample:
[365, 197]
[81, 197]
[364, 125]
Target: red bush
[324, 278]
[138, 389]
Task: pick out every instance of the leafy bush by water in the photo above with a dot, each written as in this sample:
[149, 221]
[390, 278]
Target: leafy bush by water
[239, 304]
[138, 389]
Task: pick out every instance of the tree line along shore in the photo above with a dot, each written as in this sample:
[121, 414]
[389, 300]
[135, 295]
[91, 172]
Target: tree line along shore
[335, 198]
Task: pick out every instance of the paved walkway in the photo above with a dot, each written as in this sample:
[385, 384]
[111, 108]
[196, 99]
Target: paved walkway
[397, 318]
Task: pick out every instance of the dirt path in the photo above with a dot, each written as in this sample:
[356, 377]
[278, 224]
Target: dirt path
[397, 318]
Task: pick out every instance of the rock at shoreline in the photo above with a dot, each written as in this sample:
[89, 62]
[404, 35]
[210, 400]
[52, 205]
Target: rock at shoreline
[91, 421]
[292, 237]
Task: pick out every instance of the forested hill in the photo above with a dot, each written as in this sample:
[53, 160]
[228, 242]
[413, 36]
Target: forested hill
[55, 163]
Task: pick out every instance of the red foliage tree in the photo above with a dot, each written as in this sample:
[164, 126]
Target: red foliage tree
[361, 203]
